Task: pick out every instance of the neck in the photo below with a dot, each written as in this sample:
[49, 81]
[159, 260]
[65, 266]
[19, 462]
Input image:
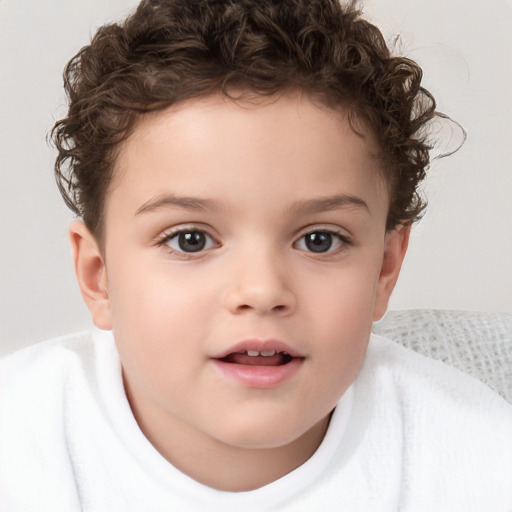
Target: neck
[220, 465]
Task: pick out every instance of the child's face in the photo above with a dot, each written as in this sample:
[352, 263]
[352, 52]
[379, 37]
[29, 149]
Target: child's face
[258, 227]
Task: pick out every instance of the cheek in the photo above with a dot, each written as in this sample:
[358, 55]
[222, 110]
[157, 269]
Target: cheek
[338, 313]
[343, 325]
[156, 295]
[157, 321]
[344, 296]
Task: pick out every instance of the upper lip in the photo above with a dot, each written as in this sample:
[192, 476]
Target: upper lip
[260, 346]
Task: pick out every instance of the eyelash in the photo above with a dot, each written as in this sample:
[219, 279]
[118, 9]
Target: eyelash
[174, 233]
[342, 239]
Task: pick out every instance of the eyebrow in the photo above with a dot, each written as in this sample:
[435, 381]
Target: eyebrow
[330, 203]
[170, 201]
[309, 206]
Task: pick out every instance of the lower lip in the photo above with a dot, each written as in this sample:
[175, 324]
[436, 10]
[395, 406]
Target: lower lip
[260, 377]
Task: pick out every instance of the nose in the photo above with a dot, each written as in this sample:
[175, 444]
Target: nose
[260, 284]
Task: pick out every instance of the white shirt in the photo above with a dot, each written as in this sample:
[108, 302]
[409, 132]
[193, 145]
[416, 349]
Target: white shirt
[410, 434]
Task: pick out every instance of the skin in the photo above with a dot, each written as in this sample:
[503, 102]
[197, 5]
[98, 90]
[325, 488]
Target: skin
[265, 168]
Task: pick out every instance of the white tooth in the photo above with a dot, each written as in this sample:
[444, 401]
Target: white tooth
[253, 353]
[268, 353]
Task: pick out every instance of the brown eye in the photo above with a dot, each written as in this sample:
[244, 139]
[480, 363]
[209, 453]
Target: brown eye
[321, 241]
[190, 241]
[318, 241]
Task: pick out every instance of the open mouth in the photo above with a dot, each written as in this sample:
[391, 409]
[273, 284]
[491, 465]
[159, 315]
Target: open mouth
[256, 358]
[259, 364]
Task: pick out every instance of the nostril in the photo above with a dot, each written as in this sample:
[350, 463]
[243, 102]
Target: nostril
[281, 308]
[260, 300]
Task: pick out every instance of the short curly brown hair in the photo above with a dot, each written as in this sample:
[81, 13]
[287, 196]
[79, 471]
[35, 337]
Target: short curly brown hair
[172, 50]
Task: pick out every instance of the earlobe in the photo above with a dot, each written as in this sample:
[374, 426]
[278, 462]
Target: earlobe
[395, 247]
[91, 274]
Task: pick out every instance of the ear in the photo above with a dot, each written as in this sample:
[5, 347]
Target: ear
[91, 274]
[395, 247]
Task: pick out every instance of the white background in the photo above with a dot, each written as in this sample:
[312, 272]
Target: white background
[460, 255]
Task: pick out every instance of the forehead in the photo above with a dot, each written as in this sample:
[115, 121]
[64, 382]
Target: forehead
[283, 148]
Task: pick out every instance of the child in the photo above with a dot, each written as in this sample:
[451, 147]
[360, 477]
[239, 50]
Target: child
[245, 174]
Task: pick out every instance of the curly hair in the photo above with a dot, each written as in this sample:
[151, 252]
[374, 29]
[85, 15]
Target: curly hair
[169, 51]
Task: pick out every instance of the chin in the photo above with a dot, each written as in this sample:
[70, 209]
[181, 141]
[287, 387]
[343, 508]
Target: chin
[264, 435]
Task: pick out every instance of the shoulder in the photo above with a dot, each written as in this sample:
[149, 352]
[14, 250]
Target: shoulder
[41, 350]
[42, 383]
[42, 388]
[414, 374]
[52, 354]
[39, 375]
[429, 390]
[448, 426]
